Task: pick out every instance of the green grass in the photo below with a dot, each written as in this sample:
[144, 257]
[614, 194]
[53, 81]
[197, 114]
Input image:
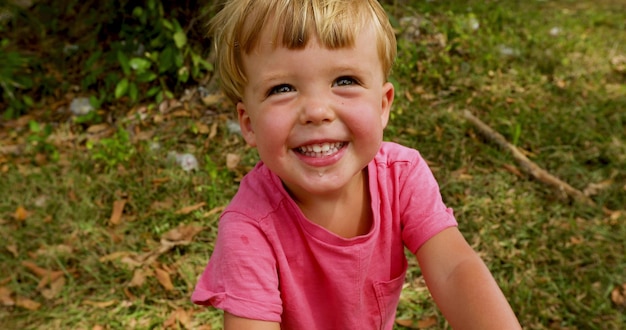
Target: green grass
[554, 95]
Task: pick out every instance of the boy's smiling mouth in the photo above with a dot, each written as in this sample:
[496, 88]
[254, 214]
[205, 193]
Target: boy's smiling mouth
[320, 149]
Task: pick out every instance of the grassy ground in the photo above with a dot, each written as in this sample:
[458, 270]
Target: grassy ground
[84, 209]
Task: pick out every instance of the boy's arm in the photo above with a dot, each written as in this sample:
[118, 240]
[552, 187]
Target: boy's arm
[461, 284]
[232, 322]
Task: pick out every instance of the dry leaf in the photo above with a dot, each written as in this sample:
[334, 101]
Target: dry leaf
[191, 208]
[162, 205]
[20, 213]
[27, 303]
[114, 255]
[56, 287]
[407, 323]
[180, 235]
[97, 327]
[212, 99]
[426, 322]
[213, 132]
[118, 209]
[100, 304]
[203, 128]
[180, 315]
[232, 160]
[13, 249]
[618, 295]
[40, 272]
[164, 279]
[139, 277]
[213, 211]
[97, 128]
[5, 296]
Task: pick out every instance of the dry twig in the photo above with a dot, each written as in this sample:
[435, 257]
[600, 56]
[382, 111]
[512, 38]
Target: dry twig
[526, 164]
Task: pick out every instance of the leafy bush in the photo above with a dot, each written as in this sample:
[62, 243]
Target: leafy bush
[124, 50]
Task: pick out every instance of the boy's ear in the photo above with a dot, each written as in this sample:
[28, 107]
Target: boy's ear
[245, 124]
[387, 100]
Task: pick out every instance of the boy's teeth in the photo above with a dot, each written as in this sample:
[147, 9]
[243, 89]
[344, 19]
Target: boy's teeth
[319, 150]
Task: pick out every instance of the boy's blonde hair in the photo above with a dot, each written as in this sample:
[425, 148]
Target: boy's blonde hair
[336, 23]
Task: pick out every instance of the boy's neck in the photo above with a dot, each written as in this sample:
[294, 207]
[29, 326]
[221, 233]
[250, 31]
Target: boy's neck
[347, 214]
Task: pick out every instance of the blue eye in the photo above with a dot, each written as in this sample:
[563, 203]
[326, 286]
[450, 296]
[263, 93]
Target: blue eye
[345, 81]
[279, 89]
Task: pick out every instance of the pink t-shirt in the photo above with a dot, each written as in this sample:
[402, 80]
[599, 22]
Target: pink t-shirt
[271, 263]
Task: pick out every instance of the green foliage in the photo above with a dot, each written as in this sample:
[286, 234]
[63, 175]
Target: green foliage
[14, 79]
[116, 51]
[38, 139]
[112, 151]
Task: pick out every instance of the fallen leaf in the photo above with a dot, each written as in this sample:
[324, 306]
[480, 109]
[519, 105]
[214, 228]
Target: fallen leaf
[180, 235]
[46, 276]
[129, 295]
[118, 209]
[407, 323]
[203, 128]
[164, 279]
[13, 249]
[27, 303]
[97, 128]
[114, 256]
[139, 277]
[40, 272]
[180, 315]
[213, 211]
[618, 295]
[100, 304]
[20, 213]
[212, 99]
[191, 208]
[426, 322]
[5, 296]
[97, 327]
[162, 205]
[232, 160]
[55, 289]
[213, 132]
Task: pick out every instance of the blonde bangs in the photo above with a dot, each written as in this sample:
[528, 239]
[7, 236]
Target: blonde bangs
[336, 24]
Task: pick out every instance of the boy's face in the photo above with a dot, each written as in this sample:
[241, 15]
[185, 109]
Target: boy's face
[315, 115]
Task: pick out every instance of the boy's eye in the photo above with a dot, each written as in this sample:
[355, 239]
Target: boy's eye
[345, 81]
[284, 88]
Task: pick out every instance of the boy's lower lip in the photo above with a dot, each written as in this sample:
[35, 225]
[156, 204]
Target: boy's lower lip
[324, 160]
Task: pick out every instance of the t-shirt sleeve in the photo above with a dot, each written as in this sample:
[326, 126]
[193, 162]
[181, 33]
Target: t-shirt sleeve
[241, 276]
[423, 212]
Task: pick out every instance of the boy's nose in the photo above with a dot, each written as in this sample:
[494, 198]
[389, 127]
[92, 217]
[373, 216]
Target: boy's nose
[316, 111]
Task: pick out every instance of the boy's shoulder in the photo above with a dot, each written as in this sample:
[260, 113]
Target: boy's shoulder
[260, 193]
[391, 153]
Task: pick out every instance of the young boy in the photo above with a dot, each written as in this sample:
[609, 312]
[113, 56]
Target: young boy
[315, 236]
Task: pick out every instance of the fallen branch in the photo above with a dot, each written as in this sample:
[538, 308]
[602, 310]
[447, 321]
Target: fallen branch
[526, 164]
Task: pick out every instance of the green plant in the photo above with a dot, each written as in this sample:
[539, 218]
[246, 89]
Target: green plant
[112, 151]
[38, 139]
[163, 62]
[14, 80]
